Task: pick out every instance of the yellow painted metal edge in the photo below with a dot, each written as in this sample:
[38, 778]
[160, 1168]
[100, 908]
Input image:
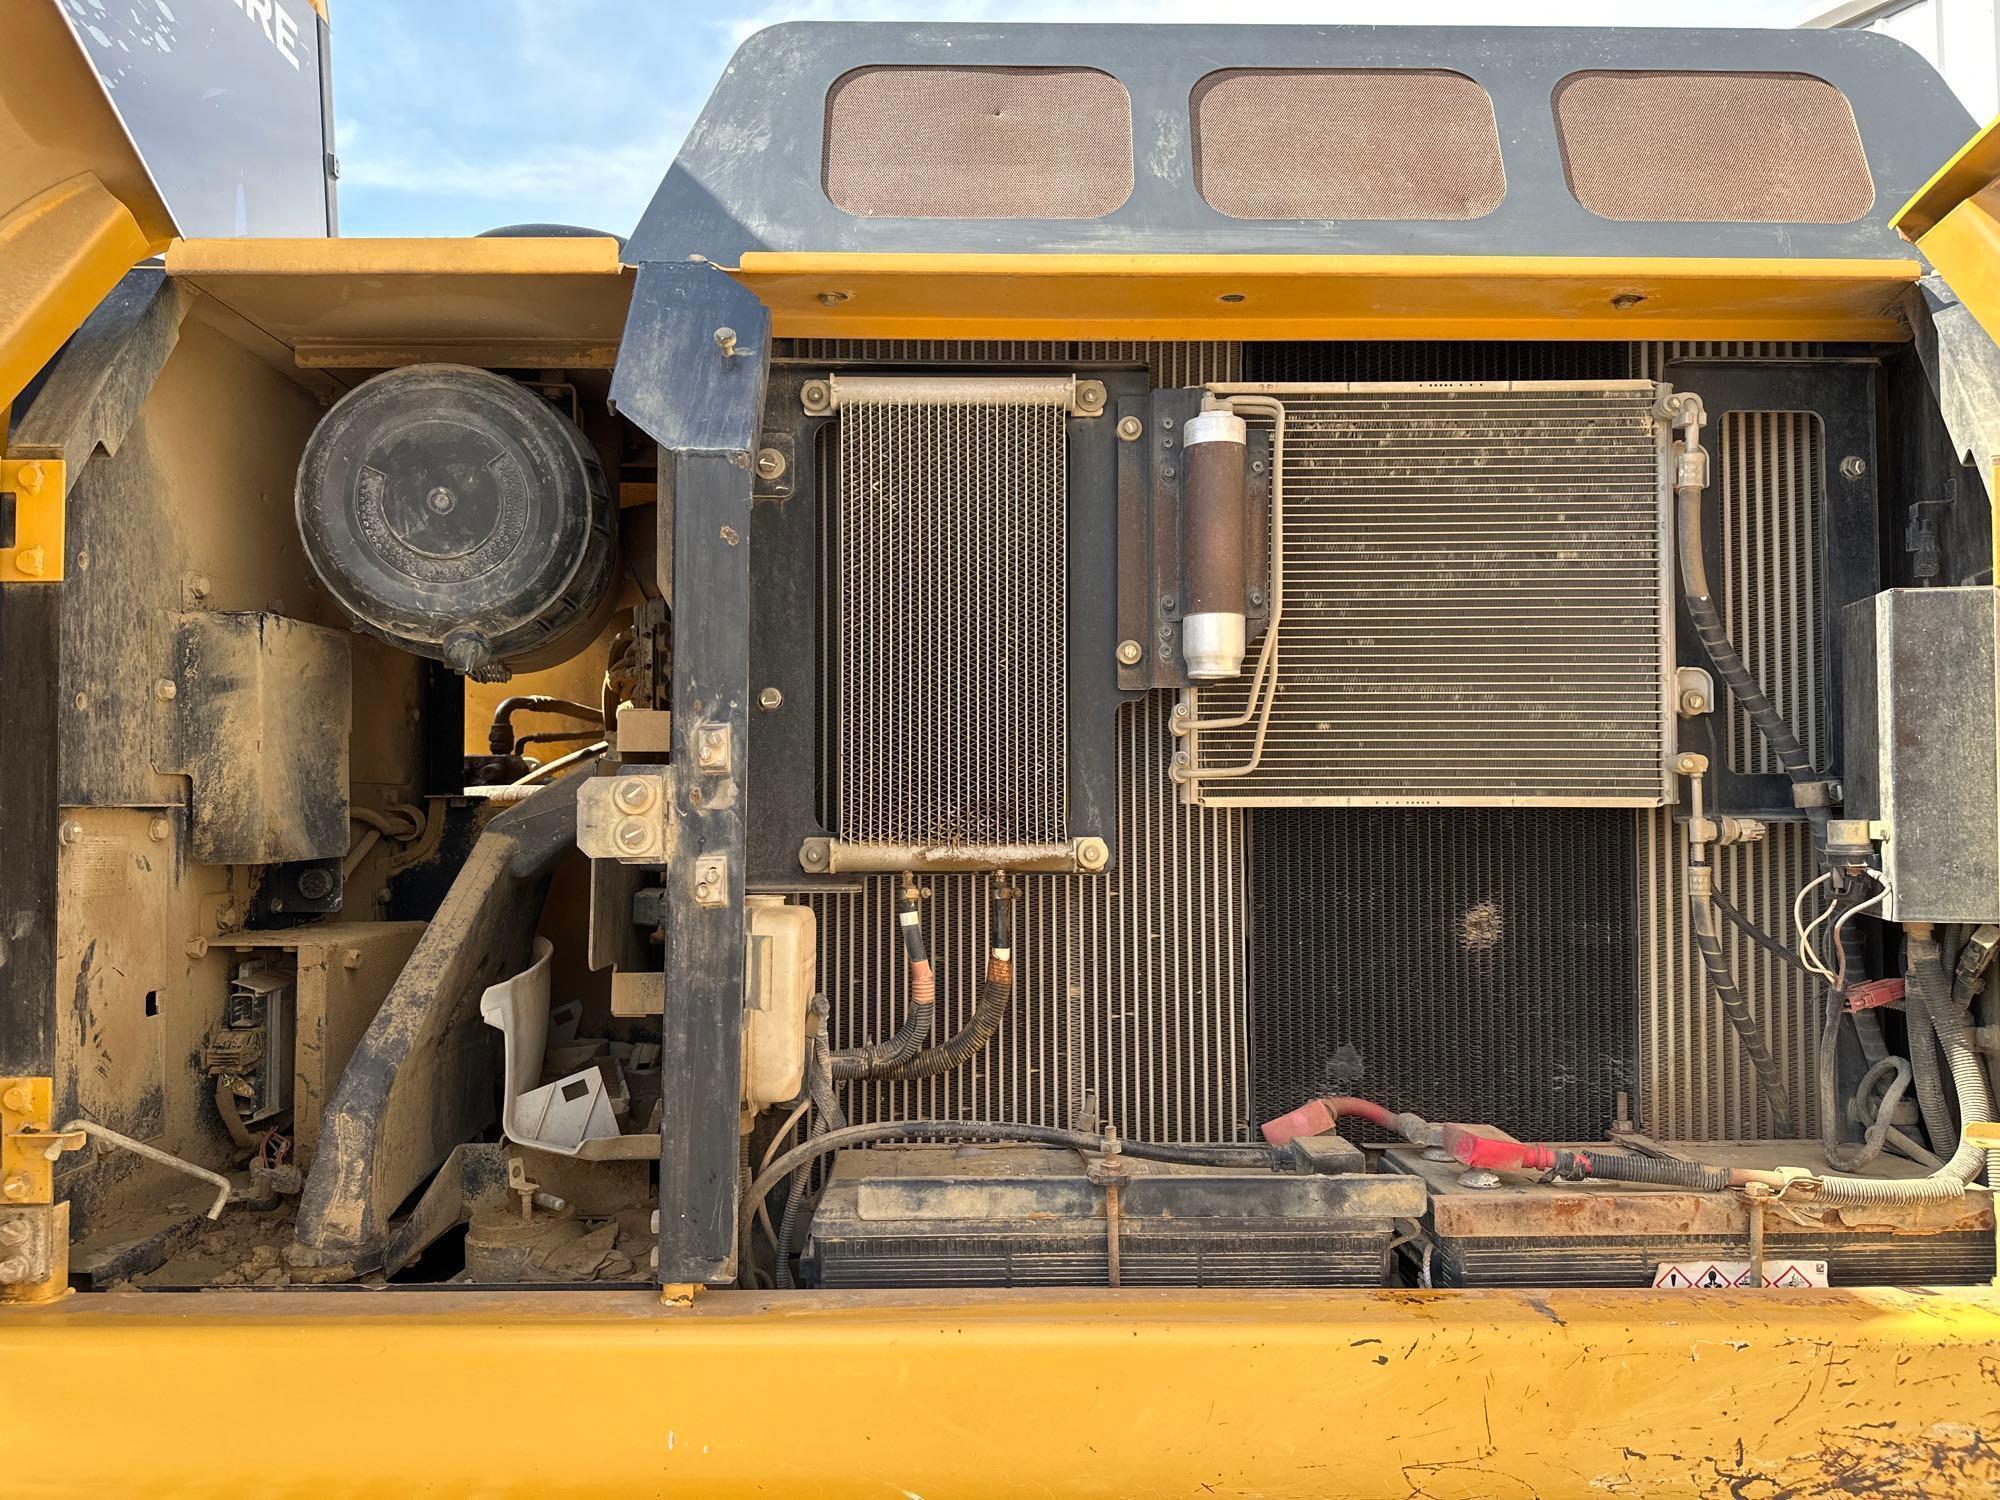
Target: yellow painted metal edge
[1326, 296]
[1974, 166]
[61, 251]
[579, 255]
[1129, 1394]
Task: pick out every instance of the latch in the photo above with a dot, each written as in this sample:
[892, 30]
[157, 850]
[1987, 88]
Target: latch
[33, 514]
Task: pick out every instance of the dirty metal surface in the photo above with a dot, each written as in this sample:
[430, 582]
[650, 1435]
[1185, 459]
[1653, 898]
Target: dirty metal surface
[1132, 1393]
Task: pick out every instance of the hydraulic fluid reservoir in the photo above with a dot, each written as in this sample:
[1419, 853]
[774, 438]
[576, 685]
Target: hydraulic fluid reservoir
[1212, 630]
[457, 515]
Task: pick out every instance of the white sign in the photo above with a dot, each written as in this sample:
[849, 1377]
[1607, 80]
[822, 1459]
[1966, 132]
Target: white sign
[1721, 1275]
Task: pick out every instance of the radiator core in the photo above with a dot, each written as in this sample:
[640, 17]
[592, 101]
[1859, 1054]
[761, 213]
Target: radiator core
[1476, 605]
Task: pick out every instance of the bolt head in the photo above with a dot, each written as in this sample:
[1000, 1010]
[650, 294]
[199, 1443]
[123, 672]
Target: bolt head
[832, 299]
[31, 560]
[351, 959]
[633, 794]
[16, 1187]
[632, 835]
[72, 831]
[1693, 702]
[770, 698]
[13, 1231]
[198, 585]
[1853, 466]
[15, 1100]
[29, 478]
[725, 338]
[165, 691]
[1687, 765]
[770, 464]
[158, 829]
[13, 1270]
[1129, 653]
[1092, 854]
[196, 948]
[1130, 428]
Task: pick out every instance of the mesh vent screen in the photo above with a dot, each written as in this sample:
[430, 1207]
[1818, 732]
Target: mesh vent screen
[978, 143]
[1464, 360]
[953, 589]
[1390, 143]
[1468, 964]
[1773, 147]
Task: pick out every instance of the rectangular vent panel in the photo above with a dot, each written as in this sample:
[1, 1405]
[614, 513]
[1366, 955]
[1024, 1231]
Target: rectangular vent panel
[952, 583]
[1476, 605]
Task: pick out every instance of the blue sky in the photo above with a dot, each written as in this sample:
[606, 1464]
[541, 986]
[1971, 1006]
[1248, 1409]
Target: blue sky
[454, 116]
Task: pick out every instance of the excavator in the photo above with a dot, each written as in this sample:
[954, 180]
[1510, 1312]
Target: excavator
[1194, 759]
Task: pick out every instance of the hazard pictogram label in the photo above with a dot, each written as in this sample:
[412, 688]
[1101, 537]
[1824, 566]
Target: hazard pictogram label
[1718, 1275]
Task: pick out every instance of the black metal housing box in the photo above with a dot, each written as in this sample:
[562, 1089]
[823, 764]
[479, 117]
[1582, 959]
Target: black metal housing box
[1922, 706]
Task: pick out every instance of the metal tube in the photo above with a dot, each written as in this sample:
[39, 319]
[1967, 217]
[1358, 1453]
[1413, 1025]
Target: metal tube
[152, 1153]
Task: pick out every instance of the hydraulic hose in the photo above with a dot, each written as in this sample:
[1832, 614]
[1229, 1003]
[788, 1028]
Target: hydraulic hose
[994, 1130]
[1927, 987]
[1706, 925]
[1690, 478]
[1931, 1102]
[872, 1060]
[995, 991]
[1839, 1155]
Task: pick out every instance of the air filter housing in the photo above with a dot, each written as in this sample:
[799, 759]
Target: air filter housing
[1474, 596]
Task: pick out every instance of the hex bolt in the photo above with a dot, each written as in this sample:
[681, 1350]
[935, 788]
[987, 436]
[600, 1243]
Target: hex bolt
[1090, 393]
[15, 1100]
[1130, 428]
[13, 1231]
[633, 794]
[225, 918]
[28, 478]
[1687, 765]
[632, 835]
[832, 299]
[158, 829]
[72, 831]
[1092, 854]
[16, 1187]
[1853, 466]
[351, 959]
[725, 340]
[813, 854]
[770, 464]
[31, 561]
[198, 586]
[1167, 472]
[770, 699]
[815, 395]
[13, 1270]
[165, 691]
[710, 748]
[1693, 702]
[1256, 598]
[1129, 653]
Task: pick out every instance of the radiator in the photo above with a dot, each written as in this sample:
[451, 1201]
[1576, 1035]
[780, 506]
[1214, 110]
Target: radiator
[1470, 964]
[1476, 604]
[1130, 991]
[951, 576]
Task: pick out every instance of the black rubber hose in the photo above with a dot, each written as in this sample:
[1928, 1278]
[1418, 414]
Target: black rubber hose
[993, 1130]
[1708, 941]
[500, 733]
[1929, 1069]
[869, 1061]
[995, 991]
